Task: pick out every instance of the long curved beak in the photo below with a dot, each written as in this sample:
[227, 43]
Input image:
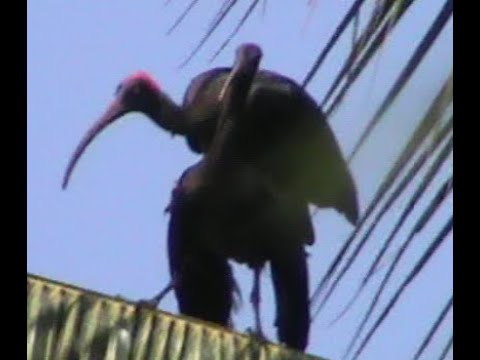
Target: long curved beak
[114, 111]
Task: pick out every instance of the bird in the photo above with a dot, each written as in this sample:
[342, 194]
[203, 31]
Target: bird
[287, 134]
[280, 156]
[225, 208]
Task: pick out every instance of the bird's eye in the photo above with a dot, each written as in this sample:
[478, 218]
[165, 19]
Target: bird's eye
[119, 88]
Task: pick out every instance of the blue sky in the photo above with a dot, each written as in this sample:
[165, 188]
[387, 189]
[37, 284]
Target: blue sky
[107, 232]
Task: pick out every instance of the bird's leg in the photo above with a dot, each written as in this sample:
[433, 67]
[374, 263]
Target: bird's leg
[155, 301]
[159, 297]
[255, 300]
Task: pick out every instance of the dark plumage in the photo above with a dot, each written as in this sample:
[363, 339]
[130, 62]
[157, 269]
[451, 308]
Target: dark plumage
[286, 137]
[286, 134]
[224, 208]
[268, 153]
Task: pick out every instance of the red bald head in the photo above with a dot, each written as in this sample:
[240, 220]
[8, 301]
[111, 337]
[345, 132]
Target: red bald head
[140, 80]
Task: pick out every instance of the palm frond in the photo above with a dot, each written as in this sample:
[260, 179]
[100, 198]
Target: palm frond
[223, 12]
[434, 246]
[380, 25]
[433, 116]
[437, 109]
[419, 192]
[182, 16]
[264, 7]
[333, 40]
[433, 330]
[433, 171]
[237, 28]
[420, 52]
[447, 348]
[408, 178]
[433, 206]
[220, 13]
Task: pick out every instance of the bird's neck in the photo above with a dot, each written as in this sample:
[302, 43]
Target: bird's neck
[169, 116]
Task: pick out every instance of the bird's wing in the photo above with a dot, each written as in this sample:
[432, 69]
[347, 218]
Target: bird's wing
[201, 107]
[199, 81]
[297, 147]
[287, 135]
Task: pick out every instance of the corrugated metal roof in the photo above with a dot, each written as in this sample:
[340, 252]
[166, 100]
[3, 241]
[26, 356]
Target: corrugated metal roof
[65, 322]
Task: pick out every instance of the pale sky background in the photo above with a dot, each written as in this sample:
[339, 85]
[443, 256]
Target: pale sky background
[108, 231]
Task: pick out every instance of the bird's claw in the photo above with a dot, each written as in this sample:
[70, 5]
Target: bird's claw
[153, 303]
[150, 304]
[257, 335]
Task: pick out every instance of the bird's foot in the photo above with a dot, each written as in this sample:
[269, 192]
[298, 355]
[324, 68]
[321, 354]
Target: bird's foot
[150, 304]
[153, 303]
[258, 335]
